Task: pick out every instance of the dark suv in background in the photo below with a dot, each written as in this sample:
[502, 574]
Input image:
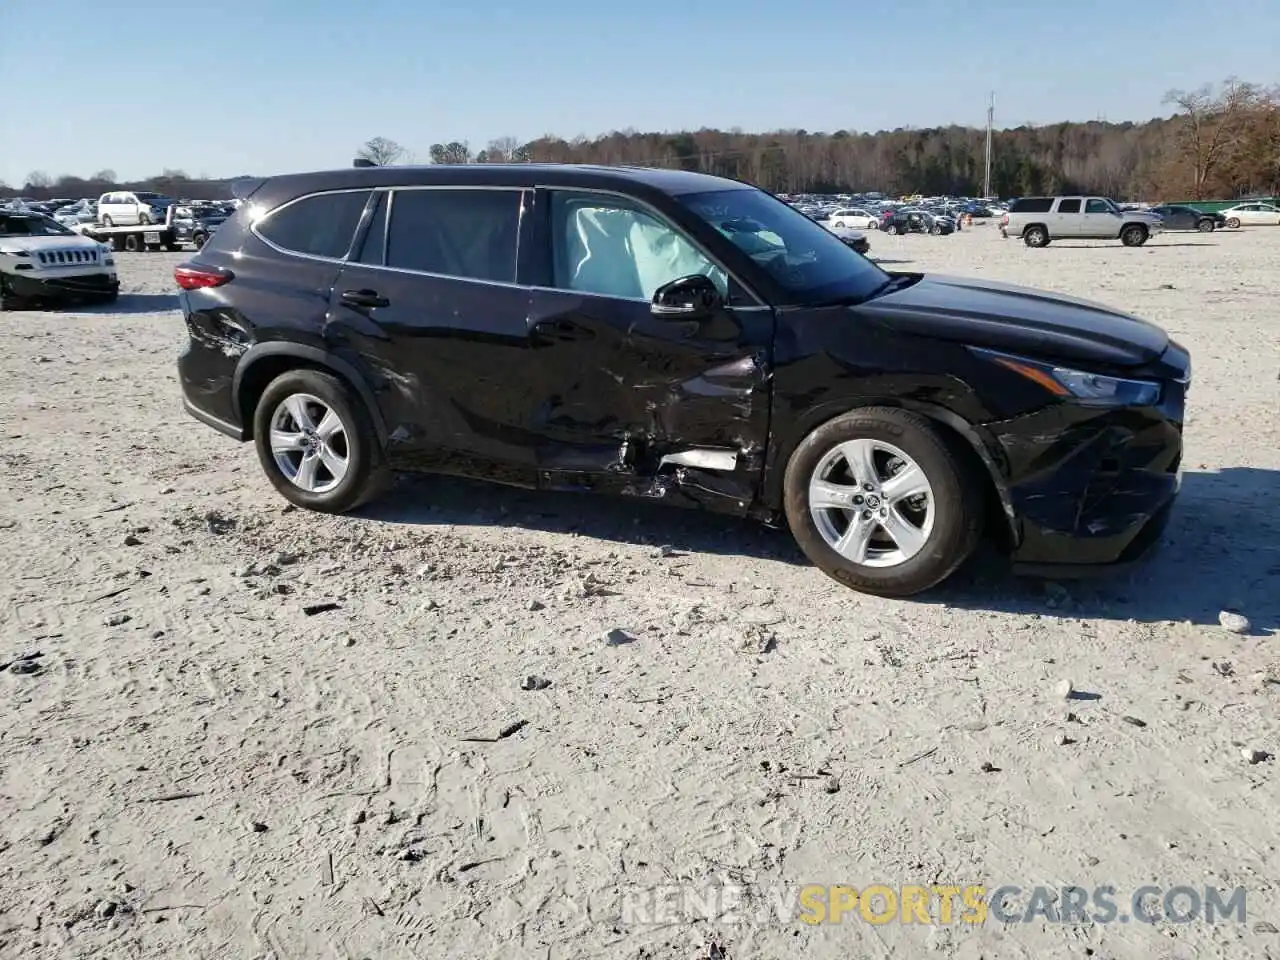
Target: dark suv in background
[676, 337]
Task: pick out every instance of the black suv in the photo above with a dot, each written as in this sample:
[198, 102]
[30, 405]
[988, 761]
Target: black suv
[676, 337]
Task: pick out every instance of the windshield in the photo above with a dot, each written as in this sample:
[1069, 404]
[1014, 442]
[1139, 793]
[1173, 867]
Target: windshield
[31, 225]
[803, 257]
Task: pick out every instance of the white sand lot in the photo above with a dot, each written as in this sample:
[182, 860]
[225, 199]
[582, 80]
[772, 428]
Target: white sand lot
[199, 769]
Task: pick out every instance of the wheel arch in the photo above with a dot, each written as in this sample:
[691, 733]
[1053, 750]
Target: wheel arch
[1035, 226]
[263, 362]
[968, 439]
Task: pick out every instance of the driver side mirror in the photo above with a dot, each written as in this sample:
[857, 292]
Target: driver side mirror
[693, 297]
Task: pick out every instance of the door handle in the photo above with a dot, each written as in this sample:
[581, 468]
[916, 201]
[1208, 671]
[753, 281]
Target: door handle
[364, 298]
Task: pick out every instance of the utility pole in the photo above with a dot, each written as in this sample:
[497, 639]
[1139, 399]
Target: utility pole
[991, 115]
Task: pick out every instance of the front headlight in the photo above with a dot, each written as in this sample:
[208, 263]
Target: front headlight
[1080, 386]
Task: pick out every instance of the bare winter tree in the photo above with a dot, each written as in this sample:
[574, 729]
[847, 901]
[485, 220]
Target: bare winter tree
[38, 180]
[503, 150]
[381, 151]
[1212, 128]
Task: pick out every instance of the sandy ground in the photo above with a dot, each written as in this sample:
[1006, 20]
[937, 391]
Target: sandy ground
[195, 767]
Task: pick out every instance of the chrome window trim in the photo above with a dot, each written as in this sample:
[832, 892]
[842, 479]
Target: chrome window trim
[253, 227]
[661, 218]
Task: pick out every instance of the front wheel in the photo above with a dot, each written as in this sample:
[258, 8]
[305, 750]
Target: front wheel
[1133, 236]
[1205, 226]
[108, 222]
[1233, 223]
[144, 219]
[935, 230]
[891, 229]
[316, 442]
[882, 502]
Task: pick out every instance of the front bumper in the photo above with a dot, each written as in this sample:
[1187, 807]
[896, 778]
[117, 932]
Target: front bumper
[1093, 488]
[42, 285]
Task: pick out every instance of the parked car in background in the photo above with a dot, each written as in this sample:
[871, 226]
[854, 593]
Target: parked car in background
[196, 223]
[670, 336]
[1040, 220]
[1177, 217]
[854, 218]
[909, 220]
[1252, 214]
[42, 261]
[852, 238]
[76, 213]
[124, 208]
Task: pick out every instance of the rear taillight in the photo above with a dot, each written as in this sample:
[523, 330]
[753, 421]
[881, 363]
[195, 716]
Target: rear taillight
[196, 278]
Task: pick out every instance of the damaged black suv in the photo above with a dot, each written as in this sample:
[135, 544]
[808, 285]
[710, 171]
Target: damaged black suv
[679, 337]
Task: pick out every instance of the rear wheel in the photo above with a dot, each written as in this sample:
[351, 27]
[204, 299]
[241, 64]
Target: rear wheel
[108, 222]
[198, 239]
[132, 244]
[1036, 237]
[883, 502]
[1133, 235]
[316, 442]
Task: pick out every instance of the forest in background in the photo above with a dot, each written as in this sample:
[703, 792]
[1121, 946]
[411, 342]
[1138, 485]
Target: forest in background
[1220, 142]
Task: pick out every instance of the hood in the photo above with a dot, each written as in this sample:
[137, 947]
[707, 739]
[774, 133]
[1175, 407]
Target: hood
[1036, 323]
[72, 241]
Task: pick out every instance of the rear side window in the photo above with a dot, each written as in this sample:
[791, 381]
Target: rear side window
[457, 233]
[1069, 206]
[319, 226]
[1032, 205]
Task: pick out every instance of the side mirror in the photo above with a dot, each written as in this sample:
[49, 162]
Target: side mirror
[693, 297]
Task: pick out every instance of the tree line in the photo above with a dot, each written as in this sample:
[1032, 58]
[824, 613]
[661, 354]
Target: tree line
[1220, 141]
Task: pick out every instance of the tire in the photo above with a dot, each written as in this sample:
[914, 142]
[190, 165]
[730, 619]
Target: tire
[365, 474]
[1133, 235]
[1233, 223]
[144, 220]
[838, 224]
[935, 230]
[133, 243]
[8, 299]
[198, 239]
[1035, 237]
[108, 222]
[1205, 226]
[951, 520]
[891, 229]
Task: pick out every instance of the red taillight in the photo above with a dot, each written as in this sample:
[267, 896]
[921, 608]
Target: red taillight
[194, 278]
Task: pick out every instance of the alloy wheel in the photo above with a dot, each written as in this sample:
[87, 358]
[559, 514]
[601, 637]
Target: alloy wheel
[871, 503]
[309, 443]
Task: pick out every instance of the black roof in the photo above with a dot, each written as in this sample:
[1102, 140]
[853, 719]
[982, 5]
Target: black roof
[564, 175]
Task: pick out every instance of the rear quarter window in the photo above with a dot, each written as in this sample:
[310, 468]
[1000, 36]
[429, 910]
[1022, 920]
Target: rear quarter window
[1032, 205]
[321, 225]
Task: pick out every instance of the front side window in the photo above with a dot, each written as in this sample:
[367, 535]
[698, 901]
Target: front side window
[457, 233]
[321, 225]
[806, 259]
[1098, 206]
[606, 246]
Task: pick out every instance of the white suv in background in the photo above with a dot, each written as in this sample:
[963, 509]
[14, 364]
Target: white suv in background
[124, 208]
[852, 217]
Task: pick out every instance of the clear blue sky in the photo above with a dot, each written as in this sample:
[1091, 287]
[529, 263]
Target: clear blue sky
[264, 86]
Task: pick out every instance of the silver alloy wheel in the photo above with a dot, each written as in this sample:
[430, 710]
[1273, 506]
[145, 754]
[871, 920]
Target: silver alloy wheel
[871, 503]
[309, 443]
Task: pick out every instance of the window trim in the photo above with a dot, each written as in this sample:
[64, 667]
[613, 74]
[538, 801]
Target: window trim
[661, 217]
[253, 227]
[391, 192]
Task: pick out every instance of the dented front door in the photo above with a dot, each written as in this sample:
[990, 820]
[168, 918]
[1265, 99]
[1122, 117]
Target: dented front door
[661, 408]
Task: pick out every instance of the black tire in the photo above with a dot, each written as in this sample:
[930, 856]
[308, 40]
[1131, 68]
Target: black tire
[1035, 237]
[198, 239]
[132, 243]
[1134, 235]
[957, 493]
[8, 299]
[935, 230]
[144, 220]
[1233, 223]
[891, 229]
[367, 474]
[1206, 226]
[108, 222]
